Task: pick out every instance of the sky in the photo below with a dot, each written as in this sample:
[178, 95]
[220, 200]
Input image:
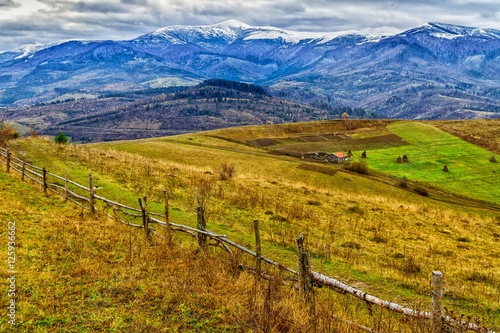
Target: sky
[44, 21]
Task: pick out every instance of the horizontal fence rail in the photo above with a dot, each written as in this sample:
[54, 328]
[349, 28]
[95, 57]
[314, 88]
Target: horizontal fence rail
[221, 240]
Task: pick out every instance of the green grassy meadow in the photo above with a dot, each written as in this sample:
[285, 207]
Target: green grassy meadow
[429, 150]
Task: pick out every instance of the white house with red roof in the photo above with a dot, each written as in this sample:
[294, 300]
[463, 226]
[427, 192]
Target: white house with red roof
[339, 157]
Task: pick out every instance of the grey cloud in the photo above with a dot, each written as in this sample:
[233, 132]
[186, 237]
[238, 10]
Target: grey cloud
[122, 19]
[56, 7]
[9, 4]
[99, 7]
[135, 2]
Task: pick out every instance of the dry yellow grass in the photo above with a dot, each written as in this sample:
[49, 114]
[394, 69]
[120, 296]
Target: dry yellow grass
[89, 274]
[402, 236]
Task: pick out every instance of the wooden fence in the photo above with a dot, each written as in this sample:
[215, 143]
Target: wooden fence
[307, 279]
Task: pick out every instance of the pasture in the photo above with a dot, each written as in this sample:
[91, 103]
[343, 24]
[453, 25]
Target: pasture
[401, 236]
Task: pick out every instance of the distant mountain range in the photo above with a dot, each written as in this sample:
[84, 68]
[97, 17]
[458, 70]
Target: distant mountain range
[433, 71]
[159, 112]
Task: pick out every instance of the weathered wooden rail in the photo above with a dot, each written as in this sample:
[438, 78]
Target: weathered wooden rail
[438, 320]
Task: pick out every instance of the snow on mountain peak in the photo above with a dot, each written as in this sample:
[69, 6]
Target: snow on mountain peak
[230, 30]
[30, 49]
[452, 31]
[231, 24]
[290, 36]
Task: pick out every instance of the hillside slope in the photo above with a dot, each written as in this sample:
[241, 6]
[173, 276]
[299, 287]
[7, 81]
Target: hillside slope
[77, 273]
[375, 234]
[160, 112]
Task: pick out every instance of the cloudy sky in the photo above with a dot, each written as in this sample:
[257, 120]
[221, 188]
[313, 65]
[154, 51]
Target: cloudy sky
[41, 21]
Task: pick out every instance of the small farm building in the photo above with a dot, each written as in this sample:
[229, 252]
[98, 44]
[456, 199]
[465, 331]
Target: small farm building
[339, 157]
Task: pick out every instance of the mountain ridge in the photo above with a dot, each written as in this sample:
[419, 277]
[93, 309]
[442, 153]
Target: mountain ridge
[370, 68]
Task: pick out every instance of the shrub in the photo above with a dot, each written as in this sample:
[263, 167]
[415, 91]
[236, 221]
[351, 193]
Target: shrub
[226, 171]
[421, 191]
[7, 132]
[356, 209]
[279, 218]
[379, 239]
[33, 133]
[481, 277]
[61, 138]
[359, 167]
[351, 245]
[411, 267]
[403, 183]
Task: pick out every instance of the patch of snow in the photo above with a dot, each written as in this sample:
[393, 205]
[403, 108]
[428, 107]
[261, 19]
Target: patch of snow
[231, 24]
[445, 35]
[232, 29]
[320, 37]
[450, 31]
[30, 49]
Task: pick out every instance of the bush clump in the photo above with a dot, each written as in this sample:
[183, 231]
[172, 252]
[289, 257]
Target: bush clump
[358, 167]
[403, 183]
[226, 171]
[379, 239]
[356, 209]
[61, 138]
[7, 132]
[481, 277]
[279, 218]
[421, 191]
[411, 266]
[351, 245]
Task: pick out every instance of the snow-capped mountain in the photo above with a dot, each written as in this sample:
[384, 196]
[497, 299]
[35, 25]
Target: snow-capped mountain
[379, 68]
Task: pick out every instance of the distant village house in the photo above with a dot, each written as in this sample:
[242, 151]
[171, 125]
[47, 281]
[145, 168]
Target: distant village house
[339, 157]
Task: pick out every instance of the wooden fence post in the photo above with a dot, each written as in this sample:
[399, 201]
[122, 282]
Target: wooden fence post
[300, 257]
[202, 239]
[168, 235]
[23, 170]
[437, 296]
[308, 287]
[66, 186]
[258, 259]
[91, 194]
[304, 261]
[145, 217]
[44, 174]
[8, 160]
